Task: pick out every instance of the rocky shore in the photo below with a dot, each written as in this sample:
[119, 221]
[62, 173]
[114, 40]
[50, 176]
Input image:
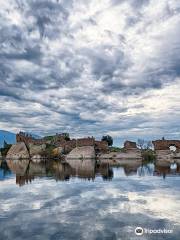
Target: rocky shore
[22, 150]
[63, 148]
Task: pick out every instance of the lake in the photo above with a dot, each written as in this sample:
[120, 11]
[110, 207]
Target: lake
[85, 200]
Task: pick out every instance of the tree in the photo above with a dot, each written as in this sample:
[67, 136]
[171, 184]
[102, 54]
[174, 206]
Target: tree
[108, 139]
[149, 145]
[66, 136]
[5, 149]
[143, 144]
[140, 143]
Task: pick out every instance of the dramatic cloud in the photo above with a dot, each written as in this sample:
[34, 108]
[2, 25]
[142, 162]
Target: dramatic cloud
[90, 67]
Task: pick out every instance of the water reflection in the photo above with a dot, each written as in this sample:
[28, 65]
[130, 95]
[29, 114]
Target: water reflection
[26, 170]
[5, 172]
[110, 204]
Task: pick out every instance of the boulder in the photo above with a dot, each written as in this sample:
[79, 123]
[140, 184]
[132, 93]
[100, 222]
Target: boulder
[18, 151]
[57, 152]
[0, 154]
[36, 150]
[82, 153]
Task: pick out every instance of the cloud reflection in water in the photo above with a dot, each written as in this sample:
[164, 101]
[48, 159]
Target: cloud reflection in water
[96, 209]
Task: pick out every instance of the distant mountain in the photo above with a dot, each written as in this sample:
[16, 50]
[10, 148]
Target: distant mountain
[34, 135]
[9, 137]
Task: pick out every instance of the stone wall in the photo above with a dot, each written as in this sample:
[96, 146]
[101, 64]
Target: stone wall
[68, 146]
[165, 144]
[81, 142]
[163, 152]
[101, 147]
[128, 145]
[23, 137]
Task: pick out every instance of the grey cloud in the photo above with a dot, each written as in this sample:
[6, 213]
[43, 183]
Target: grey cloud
[72, 64]
[134, 3]
[47, 13]
[30, 54]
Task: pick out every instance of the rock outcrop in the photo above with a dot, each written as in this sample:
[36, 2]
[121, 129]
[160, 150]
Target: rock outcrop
[82, 153]
[57, 152]
[18, 151]
[36, 151]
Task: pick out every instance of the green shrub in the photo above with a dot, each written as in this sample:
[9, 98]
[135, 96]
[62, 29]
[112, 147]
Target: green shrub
[148, 155]
[116, 149]
[48, 150]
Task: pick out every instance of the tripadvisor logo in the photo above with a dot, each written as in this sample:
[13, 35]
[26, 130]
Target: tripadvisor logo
[139, 231]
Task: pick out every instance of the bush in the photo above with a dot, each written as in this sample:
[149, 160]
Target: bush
[148, 155]
[115, 149]
[48, 152]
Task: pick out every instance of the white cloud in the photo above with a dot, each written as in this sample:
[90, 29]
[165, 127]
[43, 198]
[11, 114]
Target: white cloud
[90, 68]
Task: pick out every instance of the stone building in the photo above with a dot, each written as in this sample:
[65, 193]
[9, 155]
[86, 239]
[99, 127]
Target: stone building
[128, 145]
[167, 151]
[166, 144]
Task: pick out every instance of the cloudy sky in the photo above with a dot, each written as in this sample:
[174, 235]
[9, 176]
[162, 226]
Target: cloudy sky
[90, 67]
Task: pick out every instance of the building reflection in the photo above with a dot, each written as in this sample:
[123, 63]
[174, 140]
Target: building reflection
[166, 170]
[26, 170]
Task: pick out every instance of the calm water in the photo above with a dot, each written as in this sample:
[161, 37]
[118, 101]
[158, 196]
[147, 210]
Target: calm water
[80, 200]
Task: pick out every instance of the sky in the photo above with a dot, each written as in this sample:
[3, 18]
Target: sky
[91, 67]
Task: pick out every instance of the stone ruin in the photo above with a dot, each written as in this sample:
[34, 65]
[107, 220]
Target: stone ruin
[167, 151]
[129, 152]
[60, 142]
[128, 145]
[27, 139]
[166, 144]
